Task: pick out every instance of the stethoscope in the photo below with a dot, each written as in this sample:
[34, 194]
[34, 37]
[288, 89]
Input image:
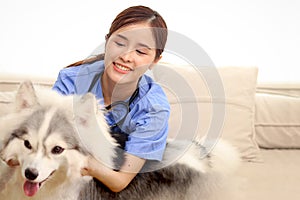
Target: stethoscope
[119, 104]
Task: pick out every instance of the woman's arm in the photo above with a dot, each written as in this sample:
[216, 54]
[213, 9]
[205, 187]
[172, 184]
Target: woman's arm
[116, 181]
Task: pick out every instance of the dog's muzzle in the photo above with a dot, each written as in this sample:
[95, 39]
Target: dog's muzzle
[30, 187]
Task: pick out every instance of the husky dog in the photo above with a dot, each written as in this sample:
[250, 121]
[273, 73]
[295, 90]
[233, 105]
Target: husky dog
[40, 144]
[43, 154]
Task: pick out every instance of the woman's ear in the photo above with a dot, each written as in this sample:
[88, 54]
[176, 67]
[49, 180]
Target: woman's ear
[106, 39]
[155, 62]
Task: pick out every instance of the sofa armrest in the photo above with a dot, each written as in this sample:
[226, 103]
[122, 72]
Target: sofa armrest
[287, 89]
[277, 119]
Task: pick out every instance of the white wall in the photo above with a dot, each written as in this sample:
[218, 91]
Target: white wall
[41, 37]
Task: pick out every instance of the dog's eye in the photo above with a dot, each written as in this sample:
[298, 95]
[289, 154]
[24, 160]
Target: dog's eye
[57, 150]
[27, 144]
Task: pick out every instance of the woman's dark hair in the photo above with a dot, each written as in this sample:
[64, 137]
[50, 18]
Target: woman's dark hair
[135, 15]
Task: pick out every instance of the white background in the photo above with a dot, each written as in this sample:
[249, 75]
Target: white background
[41, 37]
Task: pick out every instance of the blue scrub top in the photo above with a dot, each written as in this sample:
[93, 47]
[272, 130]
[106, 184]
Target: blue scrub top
[147, 121]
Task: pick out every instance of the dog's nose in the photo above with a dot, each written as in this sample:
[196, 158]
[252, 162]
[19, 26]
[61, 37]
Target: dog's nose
[31, 173]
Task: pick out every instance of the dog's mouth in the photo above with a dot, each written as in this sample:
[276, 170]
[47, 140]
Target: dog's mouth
[31, 188]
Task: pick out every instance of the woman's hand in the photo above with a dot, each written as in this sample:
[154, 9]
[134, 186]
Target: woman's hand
[91, 167]
[116, 181]
[84, 172]
[11, 162]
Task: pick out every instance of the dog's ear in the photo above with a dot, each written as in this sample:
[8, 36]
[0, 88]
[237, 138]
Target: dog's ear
[85, 108]
[93, 130]
[26, 96]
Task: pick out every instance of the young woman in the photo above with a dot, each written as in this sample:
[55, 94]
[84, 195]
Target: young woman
[134, 44]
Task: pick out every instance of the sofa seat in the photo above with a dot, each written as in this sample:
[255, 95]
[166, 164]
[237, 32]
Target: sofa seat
[276, 178]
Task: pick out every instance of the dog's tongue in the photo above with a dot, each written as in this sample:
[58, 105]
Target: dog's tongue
[30, 188]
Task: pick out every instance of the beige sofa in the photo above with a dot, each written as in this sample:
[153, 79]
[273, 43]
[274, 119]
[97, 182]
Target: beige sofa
[261, 120]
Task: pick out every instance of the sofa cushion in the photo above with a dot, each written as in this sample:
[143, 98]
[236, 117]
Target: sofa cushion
[277, 120]
[239, 84]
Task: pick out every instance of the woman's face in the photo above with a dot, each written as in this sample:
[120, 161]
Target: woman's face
[129, 53]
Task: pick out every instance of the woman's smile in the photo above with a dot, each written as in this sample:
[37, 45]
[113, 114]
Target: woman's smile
[123, 69]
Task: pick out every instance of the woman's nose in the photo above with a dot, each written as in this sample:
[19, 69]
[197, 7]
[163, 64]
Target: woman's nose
[127, 56]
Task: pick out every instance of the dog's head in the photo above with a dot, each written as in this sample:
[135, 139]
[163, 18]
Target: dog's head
[41, 136]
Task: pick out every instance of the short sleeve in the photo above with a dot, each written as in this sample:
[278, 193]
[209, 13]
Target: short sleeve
[64, 83]
[77, 79]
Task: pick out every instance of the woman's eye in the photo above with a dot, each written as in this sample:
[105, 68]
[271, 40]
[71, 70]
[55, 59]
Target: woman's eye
[57, 150]
[141, 52]
[120, 44]
[27, 144]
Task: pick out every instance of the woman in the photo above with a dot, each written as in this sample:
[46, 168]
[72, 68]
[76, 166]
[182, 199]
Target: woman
[134, 44]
